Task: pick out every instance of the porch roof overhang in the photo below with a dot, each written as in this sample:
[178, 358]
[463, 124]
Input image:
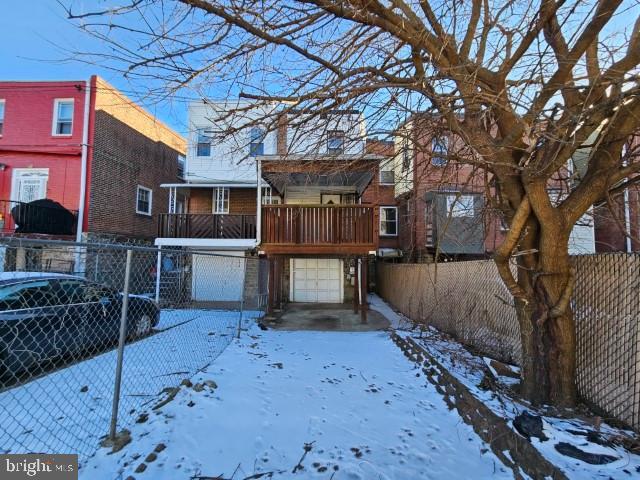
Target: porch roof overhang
[213, 185]
[281, 180]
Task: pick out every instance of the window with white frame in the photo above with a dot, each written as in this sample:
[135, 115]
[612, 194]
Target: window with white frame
[389, 221]
[268, 198]
[203, 146]
[221, 200]
[181, 165]
[439, 151]
[1, 116]
[63, 116]
[144, 197]
[256, 141]
[459, 206]
[387, 175]
[335, 142]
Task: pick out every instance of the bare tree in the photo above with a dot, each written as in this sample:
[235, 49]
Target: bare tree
[526, 84]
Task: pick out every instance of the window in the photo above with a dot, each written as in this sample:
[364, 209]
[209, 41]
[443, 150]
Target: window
[221, 200]
[428, 222]
[461, 205]
[335, 142]
[439, 151]
[62, 117]
[268, 198]
[387, 175]
[256, 142]
[203, 148]
[27, 295]
[181, 165]
[388, 221]
[406, 157]
[143, 201]
[1, 116]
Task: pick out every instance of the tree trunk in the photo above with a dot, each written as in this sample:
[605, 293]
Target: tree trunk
[547, 327]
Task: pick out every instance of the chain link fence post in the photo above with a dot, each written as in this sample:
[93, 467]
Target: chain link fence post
[121, 341]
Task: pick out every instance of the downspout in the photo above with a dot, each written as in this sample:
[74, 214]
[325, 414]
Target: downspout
[259, 200]
[83, 171]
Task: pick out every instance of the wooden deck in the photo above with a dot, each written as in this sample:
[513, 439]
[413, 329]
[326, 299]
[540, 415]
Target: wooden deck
[319, 229]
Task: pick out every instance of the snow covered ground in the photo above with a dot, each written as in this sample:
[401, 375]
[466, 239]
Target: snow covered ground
[68, 411]
[306, 404]
[576, 432]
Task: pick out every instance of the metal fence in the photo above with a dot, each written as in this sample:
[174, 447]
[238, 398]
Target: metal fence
[469, 301]
[93, 337]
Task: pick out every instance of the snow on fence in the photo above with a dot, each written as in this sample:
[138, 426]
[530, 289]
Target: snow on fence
[93, 336]
[469, 301]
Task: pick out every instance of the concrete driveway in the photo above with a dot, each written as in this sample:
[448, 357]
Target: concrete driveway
[327, 317]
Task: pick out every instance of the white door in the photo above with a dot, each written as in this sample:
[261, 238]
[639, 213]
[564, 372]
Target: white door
[316, 280]
[218, 278]
[29, 184]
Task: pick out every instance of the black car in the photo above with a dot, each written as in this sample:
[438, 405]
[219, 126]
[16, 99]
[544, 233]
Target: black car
[48, 317]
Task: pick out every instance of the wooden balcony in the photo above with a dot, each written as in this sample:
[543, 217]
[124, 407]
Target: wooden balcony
[206, 225]
[319, 229]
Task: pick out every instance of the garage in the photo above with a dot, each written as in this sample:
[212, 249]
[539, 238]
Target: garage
[218, 278]
[317, 280]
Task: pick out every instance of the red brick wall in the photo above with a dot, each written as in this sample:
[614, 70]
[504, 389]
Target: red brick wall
[123, 159]
[377, 194]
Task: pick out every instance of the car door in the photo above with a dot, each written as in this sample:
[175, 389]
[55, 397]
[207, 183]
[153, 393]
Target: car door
[70, 292]
[30, 320]
[102, 317]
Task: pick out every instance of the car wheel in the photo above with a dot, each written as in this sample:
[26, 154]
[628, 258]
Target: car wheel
[143, 326]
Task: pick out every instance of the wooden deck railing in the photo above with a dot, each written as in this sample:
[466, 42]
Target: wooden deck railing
[318, 225]
[206, 225]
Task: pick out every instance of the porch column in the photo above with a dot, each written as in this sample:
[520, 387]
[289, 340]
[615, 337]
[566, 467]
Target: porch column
[363, 289]
[271, 287]
[356, 288]
[172, 200]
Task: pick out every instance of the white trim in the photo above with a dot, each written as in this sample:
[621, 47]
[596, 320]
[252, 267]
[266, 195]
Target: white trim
[213, 243]
[292, 280]
[380, 221]
[3, 102]
[18, 172]
[54, 123]
[138, 188]
[218, 207]
[213, 185]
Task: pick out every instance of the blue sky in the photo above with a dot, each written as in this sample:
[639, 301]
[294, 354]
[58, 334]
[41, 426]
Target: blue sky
[33, 35]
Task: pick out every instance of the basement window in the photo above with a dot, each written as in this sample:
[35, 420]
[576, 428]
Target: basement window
[63, 117]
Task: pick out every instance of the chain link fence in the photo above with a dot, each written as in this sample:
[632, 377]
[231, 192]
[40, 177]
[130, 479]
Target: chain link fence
[93, 336]
[469, 301]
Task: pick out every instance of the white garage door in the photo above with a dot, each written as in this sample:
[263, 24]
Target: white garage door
[316, 280]
[218, 278]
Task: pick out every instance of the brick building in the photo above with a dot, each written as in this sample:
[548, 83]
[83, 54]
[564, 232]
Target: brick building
[312, 196]
[87, 147]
